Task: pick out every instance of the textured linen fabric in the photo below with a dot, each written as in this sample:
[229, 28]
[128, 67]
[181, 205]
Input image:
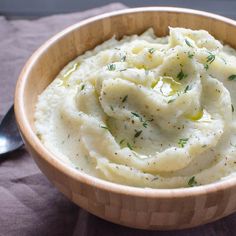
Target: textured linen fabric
[29, 203]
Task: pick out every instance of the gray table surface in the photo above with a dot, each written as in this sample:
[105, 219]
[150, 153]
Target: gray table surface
[34, 8]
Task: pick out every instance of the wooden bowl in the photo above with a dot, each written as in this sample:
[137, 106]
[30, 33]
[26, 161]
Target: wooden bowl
[130, 206]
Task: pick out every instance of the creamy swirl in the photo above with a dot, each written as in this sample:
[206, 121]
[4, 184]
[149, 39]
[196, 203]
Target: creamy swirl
[146, 111]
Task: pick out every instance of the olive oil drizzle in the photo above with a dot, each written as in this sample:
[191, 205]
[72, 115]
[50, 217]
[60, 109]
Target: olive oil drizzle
[197, 116]
[167, 80]
[68, 73]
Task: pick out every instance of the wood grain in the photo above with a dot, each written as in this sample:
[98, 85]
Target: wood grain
[134, 207]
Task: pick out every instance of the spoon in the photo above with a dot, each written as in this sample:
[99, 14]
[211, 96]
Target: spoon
[10, 138]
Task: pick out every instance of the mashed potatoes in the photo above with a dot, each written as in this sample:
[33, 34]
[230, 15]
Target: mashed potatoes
[146, 111]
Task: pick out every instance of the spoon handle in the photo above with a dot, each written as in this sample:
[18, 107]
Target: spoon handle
[10, 138]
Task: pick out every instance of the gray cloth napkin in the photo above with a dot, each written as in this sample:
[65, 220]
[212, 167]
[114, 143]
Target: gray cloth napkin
[29, 204]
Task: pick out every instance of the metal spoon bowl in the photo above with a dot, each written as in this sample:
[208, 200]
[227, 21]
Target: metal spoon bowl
[10, 138]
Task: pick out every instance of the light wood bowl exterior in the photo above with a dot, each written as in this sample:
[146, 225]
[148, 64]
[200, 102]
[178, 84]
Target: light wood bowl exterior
[130, 206]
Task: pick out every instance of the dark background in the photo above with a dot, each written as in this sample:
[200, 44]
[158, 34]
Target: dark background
[35, 8]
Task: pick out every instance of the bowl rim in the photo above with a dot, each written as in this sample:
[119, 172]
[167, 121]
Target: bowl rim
[82, 177]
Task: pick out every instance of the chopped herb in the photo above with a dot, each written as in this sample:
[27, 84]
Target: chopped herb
[181, 75]
[188, 43]
[232, 107]
[232, 144]
[182, 142]
[190, 55]
[210, 58]
[104, 127]
[145, 124]
[170, 101]
[151, 50]
[137, 133]
[123, 70]
[123, 58]
[155, 178]
[141, 119]
[206, 66]
[232, 77]
[82, 87]
[111, 67]
[192, 182]
[112, 108]
[224, 61]
[125, 98]
[129, 146]
[187, 88]
[137, 115]
[121, 141]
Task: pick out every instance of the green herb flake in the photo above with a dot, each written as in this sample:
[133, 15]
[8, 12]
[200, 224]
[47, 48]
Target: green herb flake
[232, 107]
[182, 142]
[224, 60]
[123, 58]
[123, 70]
[170, 101]
[181, 75]
[145, 124]
[210, 58]
[137, 115]
[111, 67]
[121, 141]
[129, 146]
[155, 178]
[82, 87]
[206, 66]
[233, 145]
[137, 133]
[192, 182]
[190, 55]
[151, 50]
[104, 127]
[124, 99]
[187, 89]
[112, 108]
[232, 77]
[188, 43]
